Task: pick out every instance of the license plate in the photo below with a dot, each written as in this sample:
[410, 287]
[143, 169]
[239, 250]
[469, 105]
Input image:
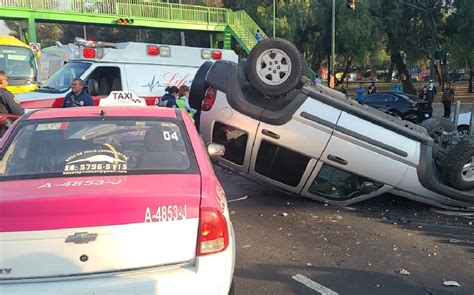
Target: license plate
[427, 115]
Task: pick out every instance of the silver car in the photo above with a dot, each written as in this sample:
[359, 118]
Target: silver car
[309, 140]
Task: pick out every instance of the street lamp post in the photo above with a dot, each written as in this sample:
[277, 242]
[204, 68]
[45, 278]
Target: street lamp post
[274, 13]
[333, 44]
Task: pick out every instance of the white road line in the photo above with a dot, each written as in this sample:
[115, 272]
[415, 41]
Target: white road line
[238, 199]
[313, 285]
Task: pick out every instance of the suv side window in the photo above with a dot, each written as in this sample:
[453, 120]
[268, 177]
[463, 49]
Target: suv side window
[337, 184]
[233, 139]
[108, 78]
[280, 164]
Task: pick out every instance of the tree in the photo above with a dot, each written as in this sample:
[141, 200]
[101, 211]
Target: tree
[408, 31]
[460, 40]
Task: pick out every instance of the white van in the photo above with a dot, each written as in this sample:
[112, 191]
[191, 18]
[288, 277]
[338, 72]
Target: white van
[143, 68]
[54, 58]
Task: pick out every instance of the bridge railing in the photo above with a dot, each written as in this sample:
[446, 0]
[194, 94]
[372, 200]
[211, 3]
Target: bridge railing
[126, 8]
[249, 23]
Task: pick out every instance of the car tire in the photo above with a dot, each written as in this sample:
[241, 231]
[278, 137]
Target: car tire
[199, 86]
[438, 124]
[197, 91]
[284, 72]
[458, 166]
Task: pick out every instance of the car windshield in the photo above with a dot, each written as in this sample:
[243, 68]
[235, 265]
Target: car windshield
[58, 148]
[19, 64]
[61, 80]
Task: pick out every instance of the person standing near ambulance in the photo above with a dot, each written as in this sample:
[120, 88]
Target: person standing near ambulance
[8, 102]
[169, 99]
[78, 97]
[182, 102]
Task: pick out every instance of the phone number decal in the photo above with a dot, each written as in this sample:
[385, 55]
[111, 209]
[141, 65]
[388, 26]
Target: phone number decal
[166, 213]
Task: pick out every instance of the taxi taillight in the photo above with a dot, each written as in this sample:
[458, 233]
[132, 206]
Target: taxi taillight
[209, 99]
[88, 52]
[213, 232]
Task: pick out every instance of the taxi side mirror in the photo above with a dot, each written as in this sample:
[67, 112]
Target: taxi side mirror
[215, 150]
[93, 87]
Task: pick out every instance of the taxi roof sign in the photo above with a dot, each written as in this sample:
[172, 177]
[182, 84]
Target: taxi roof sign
[122, 98]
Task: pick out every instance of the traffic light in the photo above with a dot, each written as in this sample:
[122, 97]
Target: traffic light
[124, 21]
[351, 4]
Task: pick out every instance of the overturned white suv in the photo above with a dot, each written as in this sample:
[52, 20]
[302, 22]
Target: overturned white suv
[280, 129]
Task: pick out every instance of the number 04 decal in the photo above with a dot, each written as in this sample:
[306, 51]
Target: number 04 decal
[170, 135]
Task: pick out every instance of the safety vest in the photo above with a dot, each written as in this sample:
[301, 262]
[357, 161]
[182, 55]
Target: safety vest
[181, 103]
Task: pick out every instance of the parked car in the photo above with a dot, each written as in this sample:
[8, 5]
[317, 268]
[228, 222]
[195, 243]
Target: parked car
[406, 106]
[281, 130]
[112, 200]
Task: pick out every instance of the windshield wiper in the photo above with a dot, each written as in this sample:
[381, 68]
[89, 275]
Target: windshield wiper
[47, 89]
[23, 79]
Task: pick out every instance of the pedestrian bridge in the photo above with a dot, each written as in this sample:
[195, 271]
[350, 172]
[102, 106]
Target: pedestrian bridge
[221, 22]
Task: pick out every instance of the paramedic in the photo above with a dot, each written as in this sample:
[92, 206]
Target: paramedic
[169, 99]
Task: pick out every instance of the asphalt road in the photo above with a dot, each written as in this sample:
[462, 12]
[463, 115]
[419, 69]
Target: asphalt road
[384, 246]
[388, 245]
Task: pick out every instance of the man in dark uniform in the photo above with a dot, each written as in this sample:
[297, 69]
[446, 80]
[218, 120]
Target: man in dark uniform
[78, 97]
[8, 102]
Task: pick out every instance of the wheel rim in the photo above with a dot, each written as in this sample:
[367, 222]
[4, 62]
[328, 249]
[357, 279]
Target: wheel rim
[467, 172]
[273, 66]
[463, 133]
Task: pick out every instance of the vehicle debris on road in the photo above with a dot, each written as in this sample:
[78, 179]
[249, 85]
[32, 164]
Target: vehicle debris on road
[404, 272]
[451, 284]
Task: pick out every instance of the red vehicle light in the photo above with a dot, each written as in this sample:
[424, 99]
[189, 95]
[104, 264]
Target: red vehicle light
[209, 99]
[213, 232]
[152, 50]
[216, 54]
[88, 53]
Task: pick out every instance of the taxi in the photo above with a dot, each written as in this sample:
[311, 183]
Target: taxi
[112, 200]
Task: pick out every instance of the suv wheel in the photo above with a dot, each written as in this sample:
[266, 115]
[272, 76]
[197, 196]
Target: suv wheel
[274, 67]
[199, 86]
[438, 124]
[458, 166]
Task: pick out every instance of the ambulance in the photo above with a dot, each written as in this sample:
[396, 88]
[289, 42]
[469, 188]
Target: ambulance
[143, 68]
[54, 58]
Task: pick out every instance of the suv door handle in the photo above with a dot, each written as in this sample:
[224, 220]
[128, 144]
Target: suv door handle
[270, 133]
[337, 159]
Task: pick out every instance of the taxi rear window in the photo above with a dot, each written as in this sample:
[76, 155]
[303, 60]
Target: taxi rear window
[97, 147]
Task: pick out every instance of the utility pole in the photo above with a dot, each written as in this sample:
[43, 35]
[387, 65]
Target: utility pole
[183, 40]
[274, 14]
[333, 45]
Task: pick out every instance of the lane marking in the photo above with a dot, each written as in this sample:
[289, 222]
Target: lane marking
[238, 199]
[313, 285]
